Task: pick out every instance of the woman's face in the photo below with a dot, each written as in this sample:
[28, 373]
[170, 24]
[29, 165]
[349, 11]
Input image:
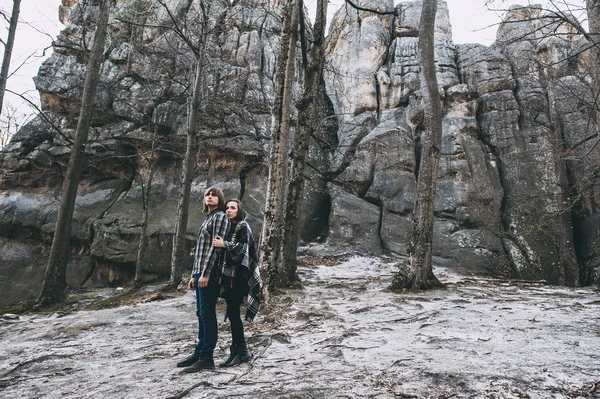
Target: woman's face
[231, 209]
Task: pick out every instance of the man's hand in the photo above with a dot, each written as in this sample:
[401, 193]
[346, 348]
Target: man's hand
[203, 282]
[191, 284]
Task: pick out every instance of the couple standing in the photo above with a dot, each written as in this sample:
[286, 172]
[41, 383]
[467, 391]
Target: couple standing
[226, 264]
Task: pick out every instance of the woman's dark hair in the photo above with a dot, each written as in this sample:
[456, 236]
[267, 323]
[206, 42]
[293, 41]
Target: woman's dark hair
[241, 215]
[216, 192]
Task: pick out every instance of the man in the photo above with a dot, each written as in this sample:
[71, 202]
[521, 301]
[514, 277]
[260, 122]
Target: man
[205, 280]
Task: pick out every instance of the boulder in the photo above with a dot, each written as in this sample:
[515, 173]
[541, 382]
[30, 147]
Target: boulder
[353, 224]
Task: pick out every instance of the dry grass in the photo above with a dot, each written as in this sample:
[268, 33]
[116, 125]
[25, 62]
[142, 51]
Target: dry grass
[314, 261]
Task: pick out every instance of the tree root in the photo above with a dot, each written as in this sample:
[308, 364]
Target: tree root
[35, 360]
[407, 279]
[186, 391]
[350, 347]
[221, 385]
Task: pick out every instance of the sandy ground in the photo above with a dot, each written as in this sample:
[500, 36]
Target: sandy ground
[343, 336]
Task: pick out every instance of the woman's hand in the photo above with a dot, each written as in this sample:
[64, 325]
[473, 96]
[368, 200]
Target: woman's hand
[218, 242]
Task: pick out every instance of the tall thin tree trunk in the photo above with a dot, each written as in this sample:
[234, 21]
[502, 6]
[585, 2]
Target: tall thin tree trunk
[188, 170]
[593, 12]
[143, 243]
[307, 116]
[10, 41]
[418, 272]
[54, 286]
[568, 271]
[274, 218]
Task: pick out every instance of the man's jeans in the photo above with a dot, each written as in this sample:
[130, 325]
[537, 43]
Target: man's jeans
[206, 302]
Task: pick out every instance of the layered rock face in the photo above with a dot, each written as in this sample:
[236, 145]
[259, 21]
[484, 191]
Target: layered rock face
[517, 154]
[143, 95]
[379, 163]
[516, 193]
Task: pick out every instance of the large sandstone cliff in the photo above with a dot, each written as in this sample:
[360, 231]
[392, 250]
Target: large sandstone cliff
[516, 191]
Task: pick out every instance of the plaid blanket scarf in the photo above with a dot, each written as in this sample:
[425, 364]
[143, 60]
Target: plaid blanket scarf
[241, 250]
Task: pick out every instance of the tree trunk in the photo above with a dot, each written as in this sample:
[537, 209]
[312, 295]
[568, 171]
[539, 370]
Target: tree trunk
[54, 285]
[568, 270]
[307, 116]
[593, 12]
[189, 162]
[274, 217]
[417, 272]
[143, 243]
[10, 41]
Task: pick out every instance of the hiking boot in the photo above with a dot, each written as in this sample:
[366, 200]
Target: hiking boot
[232, 353]
[201, 364]
[241, 356]
[188, 361]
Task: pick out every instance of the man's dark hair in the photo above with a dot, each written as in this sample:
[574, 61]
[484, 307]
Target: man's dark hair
[217, 193]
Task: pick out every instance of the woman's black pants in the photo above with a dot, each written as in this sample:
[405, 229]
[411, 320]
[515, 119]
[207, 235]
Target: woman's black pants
[234, 299]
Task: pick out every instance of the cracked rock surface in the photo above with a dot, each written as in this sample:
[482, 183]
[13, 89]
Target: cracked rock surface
[344, 336]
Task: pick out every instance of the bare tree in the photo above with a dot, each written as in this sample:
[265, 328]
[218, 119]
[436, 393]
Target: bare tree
[274, 217]
[193, 33]
[307, 117]
[143, 243]
[195, 39]
[54, 286]
[560, 14]
[8, 47]
[191, 145]
[9, 123]
[593, 12]
[568, 273]
[417, 271]
[574, 149]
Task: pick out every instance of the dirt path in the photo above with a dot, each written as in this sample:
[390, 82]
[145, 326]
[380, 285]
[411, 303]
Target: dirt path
[343, 336]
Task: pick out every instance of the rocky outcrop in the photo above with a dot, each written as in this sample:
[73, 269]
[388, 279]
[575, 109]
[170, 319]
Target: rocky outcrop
[142, 96]
[381, 157]
[506, 192]
[519, 160]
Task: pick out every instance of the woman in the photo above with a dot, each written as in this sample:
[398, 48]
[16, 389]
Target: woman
[205, 280]
[240, 277]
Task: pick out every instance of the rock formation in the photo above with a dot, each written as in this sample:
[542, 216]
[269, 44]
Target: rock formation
[517, 183]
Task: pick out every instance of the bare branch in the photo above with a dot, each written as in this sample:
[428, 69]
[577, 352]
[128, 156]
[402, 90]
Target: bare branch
[5, 16]
[43, 115]
[177, 29]
[353, 5]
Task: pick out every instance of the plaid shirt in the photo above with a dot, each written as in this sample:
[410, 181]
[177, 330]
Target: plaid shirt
[241, 255]
[207, 258]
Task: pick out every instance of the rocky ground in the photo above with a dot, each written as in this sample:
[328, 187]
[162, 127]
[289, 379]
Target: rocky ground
[343, 336]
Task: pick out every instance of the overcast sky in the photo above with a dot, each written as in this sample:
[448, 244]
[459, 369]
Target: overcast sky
[471, 22]
[38, 25]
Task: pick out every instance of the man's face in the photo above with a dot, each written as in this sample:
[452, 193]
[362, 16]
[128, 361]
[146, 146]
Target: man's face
[211, 200]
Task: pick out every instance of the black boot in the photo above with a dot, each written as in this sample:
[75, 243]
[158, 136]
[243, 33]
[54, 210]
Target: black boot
[201, 364]
[188, 361]
[232, 353]
[242, 355]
